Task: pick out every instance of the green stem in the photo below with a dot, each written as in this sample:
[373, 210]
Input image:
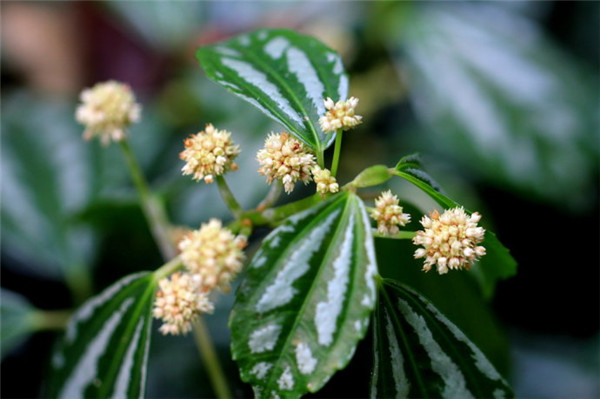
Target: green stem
[51, 319]
[401, 235]
[167, 268]
[151, 206]
[271, 197]
[336, 153]
[320, 159]
[228, 197]
[79, 281]
[211, 360]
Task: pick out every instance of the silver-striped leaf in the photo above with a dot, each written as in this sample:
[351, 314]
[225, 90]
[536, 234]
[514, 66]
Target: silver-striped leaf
[104, 352]
[284, 74]
[498, 263]
[306, 300]
[419, 353]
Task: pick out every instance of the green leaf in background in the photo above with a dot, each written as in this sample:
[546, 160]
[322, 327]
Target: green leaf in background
[498, 94]
[46, 179]
[497, 263]
[17, 320]
[418, 352]
[285, 74]
[105, 349]
[306, 299]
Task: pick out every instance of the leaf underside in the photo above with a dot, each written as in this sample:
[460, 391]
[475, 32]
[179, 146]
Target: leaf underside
[105, 349]
[306, 299]
[284, 74]
[418, 352]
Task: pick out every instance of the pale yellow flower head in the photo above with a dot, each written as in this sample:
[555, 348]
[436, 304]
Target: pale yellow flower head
[107, 110]
[286, 159]
[388, 214]
[325, 182]
[178, 302]
[213, 255]
[209, 153]
[339, 115]
[450, 240]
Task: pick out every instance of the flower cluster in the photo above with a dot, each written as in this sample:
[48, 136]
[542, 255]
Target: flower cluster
[325, 182]
[450, 240]
[388, 214]
[107, 110]
[209, 153]
[212, 256]
[179, 302]
[285, 158]
[339, 115]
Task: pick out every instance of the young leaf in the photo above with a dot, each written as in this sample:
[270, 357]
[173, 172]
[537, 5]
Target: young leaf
[105, 348]
[497, 263]
[16, 320]
[306, 299]
[284, 74]
[418, 352]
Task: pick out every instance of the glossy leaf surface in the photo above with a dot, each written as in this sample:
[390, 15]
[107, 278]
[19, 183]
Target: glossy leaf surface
[105, 349]
[497, 263]
[306, 299]
[418, 352]
[285, 74]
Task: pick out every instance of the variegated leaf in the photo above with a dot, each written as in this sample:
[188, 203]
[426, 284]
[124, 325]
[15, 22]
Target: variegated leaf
[284, 74]
[497, 264]
[306, 300]
[418, 352]
[105, 348]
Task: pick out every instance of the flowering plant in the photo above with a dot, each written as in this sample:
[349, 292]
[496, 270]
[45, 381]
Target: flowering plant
[315, 286]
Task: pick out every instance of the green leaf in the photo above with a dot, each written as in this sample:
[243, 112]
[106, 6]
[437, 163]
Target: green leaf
[105, 349]
[457, 295]
[418, 352]
[495, 92]
[285, 74]
[17, 320]
[497, 263]
[46, 179]
[372, 176]
[306, 299]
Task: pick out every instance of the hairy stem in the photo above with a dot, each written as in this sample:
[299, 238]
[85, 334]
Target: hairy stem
[336, 152]
[151, 206]
[228, 197]
[211, 360]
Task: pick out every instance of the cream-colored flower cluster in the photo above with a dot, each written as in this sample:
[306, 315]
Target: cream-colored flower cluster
[388, 214]
[325, 182]
[339, 115]
[178, 302]
[212, 257]
[209, 153]
[107, 110]
[285, 158]
[450, 240]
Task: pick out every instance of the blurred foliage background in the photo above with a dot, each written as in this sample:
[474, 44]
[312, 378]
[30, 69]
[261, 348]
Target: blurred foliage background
[500, 98]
